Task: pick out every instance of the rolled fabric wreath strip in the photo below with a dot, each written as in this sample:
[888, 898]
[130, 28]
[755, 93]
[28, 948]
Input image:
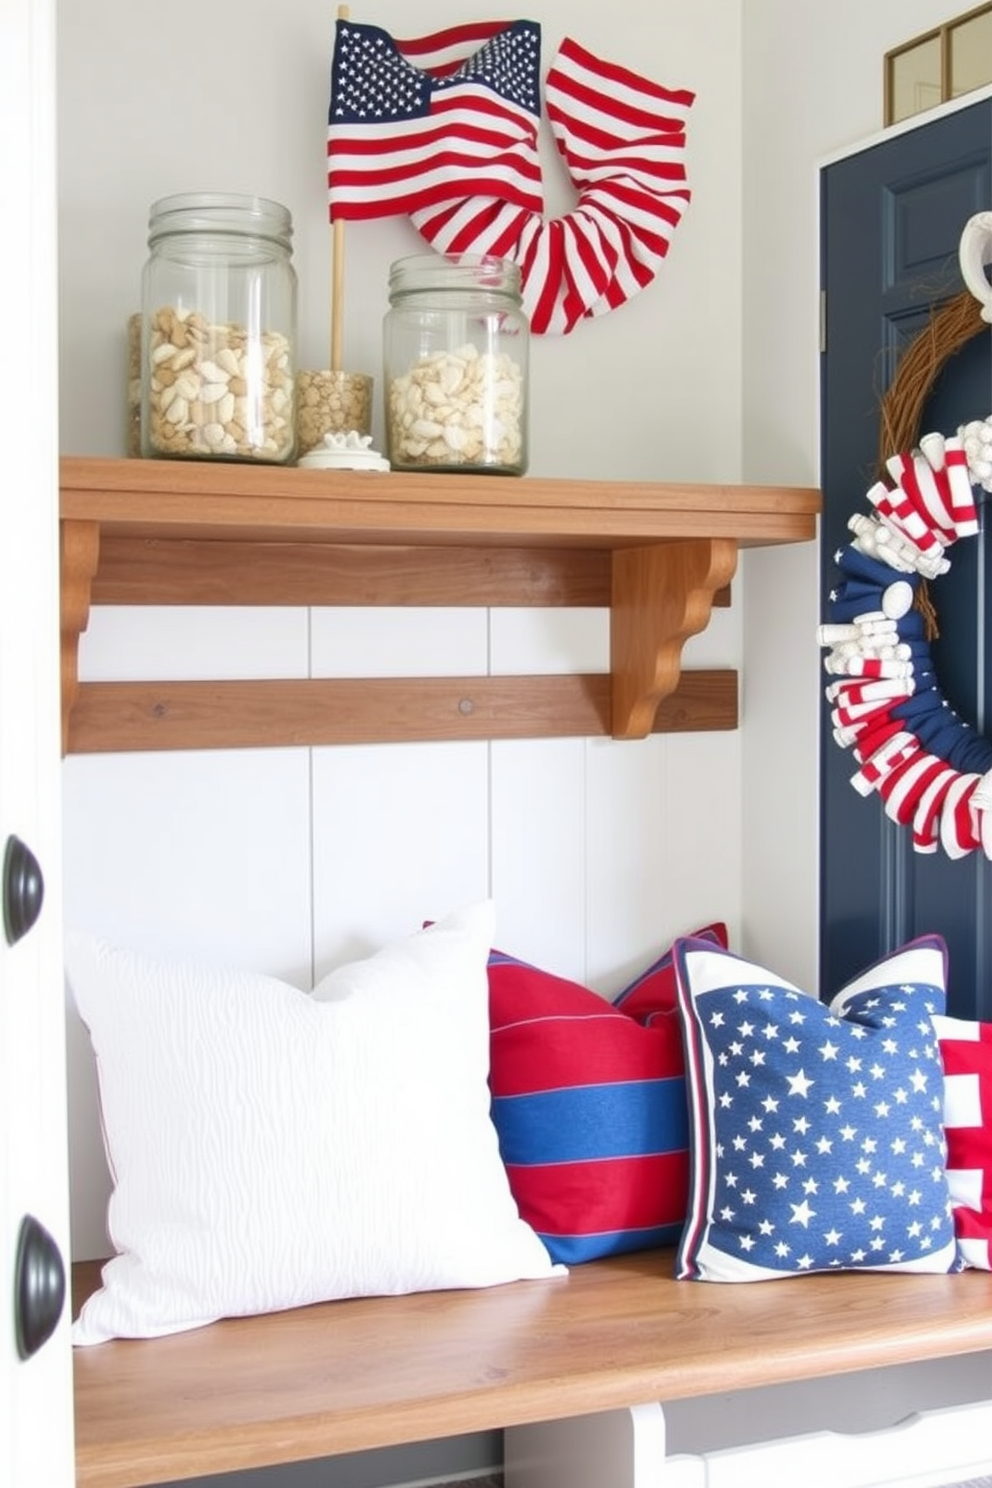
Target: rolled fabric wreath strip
[622, 140]
[932, 769]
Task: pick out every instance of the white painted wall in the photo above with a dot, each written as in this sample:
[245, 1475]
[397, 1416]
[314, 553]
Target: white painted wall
[597, 853]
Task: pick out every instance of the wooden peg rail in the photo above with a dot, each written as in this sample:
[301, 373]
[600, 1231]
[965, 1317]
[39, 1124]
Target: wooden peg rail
[196, 533]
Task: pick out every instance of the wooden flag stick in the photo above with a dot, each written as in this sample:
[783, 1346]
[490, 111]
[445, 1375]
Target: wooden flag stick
[337, 269]
[337, 293]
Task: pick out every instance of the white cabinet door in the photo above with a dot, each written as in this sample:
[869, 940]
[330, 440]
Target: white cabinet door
[36, 1437]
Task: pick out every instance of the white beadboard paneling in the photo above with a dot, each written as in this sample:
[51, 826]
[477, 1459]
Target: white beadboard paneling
[398, 642]
[663, 846]
[400, 835]
[207, 851]
[703, 821]
[538, 852]
[627, 905]
[202, 642]
[201, 854]
[532, 641]
[529, 641]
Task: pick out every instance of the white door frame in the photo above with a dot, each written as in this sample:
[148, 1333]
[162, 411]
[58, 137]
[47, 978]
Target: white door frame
[36, 1435]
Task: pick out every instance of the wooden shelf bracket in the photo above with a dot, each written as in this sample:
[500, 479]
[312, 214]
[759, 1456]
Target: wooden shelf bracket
[662, 594]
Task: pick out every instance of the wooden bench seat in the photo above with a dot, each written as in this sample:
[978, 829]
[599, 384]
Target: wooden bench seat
[347, 1376]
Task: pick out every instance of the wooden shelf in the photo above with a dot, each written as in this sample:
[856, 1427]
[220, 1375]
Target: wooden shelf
[183, 532]
[375, 1372]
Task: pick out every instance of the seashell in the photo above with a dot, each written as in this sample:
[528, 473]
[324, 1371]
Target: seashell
[227, 359]
[452, 376]
[211, 372]
[187, 385]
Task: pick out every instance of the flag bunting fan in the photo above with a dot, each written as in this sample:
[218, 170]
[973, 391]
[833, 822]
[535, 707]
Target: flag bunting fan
[444, 129]
[932, 769]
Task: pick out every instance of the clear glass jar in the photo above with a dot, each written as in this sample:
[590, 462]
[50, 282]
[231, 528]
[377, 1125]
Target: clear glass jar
[455, 361]
[218, 334]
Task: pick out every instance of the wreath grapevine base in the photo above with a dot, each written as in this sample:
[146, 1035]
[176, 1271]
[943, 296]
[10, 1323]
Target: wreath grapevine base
[932, 770]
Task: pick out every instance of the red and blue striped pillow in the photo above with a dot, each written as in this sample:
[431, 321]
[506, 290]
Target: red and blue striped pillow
[590, 1107]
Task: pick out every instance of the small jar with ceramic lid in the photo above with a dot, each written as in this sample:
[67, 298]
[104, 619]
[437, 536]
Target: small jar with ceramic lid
[455, 361]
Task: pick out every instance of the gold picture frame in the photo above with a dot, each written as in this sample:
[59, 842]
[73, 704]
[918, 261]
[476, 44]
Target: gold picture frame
[939, 65]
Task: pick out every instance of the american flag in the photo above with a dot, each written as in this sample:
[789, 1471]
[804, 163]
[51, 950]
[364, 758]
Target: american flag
[966, 1056]
[444, 129]
[416, 123]
[818, 1137]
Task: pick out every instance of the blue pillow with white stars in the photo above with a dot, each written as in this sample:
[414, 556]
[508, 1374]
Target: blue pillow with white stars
[816, 1133]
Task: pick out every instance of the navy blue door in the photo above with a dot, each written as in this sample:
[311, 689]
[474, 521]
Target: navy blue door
[891, 222]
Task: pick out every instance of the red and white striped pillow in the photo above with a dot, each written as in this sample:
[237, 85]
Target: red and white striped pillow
[966, 1055]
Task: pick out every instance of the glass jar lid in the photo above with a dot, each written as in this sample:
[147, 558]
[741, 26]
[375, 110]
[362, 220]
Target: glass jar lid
[441, 272]
[220, 211]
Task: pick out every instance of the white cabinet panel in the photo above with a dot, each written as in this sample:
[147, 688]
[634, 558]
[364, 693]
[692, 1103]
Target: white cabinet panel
[627, 1448]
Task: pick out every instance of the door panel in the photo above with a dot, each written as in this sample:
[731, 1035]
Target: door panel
[36, 1434]
[891, 221]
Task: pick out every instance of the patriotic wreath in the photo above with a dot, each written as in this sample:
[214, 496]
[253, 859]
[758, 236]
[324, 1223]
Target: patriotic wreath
[932, 770]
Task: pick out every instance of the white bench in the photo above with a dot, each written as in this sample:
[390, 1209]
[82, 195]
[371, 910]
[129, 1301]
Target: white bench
[628, 1449]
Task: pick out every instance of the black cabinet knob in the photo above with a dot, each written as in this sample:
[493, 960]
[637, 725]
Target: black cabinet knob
[39, 1287]
[23, 890]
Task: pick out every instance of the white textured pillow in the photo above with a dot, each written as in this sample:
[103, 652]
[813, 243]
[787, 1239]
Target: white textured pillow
[271, 1148]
